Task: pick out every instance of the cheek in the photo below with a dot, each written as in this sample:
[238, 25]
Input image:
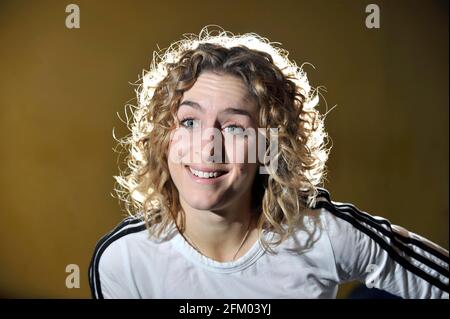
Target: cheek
[179, 146]
[241, 150]
[243, 177]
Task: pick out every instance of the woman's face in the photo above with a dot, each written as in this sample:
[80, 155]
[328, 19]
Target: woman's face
[208, 153]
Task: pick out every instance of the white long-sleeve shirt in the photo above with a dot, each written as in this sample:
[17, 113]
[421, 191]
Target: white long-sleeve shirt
[340, 243]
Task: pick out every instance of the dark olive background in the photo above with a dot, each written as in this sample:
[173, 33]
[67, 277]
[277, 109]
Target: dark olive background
[61, 89]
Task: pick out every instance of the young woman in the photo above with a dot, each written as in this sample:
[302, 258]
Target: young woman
[215, 213]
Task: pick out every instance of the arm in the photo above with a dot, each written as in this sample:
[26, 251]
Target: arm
[385, 256]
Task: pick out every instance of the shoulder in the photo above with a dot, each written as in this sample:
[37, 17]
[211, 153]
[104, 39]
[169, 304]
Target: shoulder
[352, 229]
[344, 219]
[352, 232]
[108, 253]
[125, 231]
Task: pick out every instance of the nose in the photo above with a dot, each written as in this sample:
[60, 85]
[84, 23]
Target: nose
[212, 145]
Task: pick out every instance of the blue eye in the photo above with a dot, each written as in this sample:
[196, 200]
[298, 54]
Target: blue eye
[189, 123]
[234, 129]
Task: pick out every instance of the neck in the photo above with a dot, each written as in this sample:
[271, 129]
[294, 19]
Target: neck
[222, 235]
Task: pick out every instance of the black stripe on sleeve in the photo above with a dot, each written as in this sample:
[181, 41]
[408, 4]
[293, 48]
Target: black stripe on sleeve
[391, 234]
[408, 240]
[384, 245]
[103, 243]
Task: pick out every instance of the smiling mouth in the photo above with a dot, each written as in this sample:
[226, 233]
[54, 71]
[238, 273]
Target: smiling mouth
[210, 174]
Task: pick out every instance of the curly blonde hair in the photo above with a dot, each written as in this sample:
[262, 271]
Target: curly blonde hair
[286, 102]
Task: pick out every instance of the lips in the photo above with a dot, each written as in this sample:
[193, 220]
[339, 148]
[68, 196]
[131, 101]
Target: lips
[206, 173]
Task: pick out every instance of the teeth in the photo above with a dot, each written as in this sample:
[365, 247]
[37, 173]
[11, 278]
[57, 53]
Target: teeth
[204, 174]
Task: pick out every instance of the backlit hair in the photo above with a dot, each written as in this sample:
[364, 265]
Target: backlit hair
[286, 102]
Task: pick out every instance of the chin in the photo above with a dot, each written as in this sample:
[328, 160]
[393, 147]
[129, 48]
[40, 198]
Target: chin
[201, 202]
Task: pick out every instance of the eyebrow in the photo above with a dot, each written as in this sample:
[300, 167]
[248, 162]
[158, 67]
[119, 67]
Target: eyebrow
[229, 110]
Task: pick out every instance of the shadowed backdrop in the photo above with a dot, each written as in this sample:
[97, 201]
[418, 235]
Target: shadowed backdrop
[60, 90]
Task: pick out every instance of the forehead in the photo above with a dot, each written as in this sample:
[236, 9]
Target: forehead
[219, 90]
